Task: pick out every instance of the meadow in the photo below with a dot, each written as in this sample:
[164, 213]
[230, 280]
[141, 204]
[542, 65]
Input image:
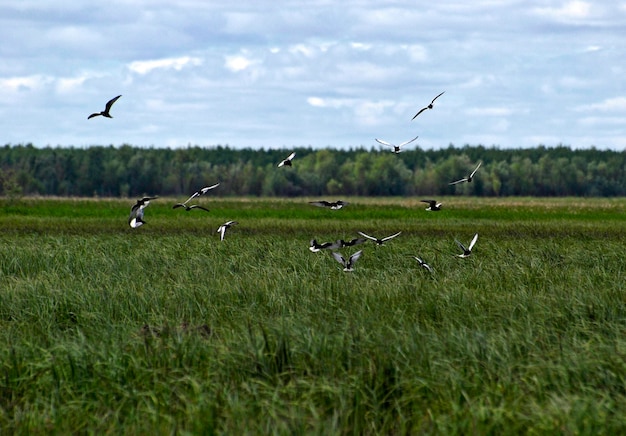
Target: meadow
[164, 329]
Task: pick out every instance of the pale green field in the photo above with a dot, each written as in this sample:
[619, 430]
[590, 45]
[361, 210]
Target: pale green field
[165, 329]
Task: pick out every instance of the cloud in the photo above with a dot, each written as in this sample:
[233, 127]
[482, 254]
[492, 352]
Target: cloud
[144, 67]
[240, 62]
[613, 104]
[572, 11]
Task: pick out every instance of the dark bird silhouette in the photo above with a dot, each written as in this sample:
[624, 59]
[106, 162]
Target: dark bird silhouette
[136, 212]
[348, 265]
[107, 108]
[430, 106]
[314, 246]
[396, 148]
[379, 241]
[469, 178]
[356, 241]
[288, 160]
[188, 208]
[432, 205]
[467, 251]
[335, 205]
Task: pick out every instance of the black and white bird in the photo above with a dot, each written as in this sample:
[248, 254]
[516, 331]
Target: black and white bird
[334, 205]
[430, 106]
[433, 205]
[314, 246]
[396, 148]
[288, 160]
[198, 193]
[188, 208]
[348, 265]
[379, 241]
[107, 108]
[467, 251]
[469, 178]
[356, 241]
[136, 212]
[222, 229]
[423, 264]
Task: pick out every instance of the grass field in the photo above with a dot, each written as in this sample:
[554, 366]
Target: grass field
[165, 329]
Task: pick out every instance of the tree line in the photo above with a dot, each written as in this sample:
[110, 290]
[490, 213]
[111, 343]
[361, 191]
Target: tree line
[128, 171]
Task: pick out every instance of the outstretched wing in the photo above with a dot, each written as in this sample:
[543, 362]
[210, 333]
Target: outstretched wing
[368, 236]
[464, 179]
[437, 97]
[461, 246]
[419, 112]
[110, 103]
[338, 257]
[321, 203]
[390, 237]
[380, 141]
[355, 257]
[474, 172]
[408, 142]
[474, 239]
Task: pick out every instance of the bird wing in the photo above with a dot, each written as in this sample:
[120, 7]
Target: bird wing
[110, 103]
[430, 202]
[380, 141]
[408, 142]
[368, 236]
[390, 237]
[197, 206]
[355, 241]
[291, 156]
[221, 229]
[321, 203]
[474, 172]
[177, 205]
[338, 257]
[474, 239]
[419, 112]
[461, 246]
[464, 179]
[208, 188]
[94, 115]
[437, 97]
[355, 257]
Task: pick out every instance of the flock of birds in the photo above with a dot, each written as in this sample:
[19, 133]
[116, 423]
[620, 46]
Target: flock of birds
[136, 220]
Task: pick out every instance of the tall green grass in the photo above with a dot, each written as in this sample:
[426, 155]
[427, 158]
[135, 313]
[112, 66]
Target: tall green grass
[165, 329]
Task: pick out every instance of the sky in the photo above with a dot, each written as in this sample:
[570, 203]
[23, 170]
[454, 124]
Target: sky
[319, 73]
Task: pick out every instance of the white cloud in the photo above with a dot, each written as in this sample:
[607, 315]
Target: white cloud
[25, 83]
[237, 63]
[144, 67]
[490, 111]
[575, 10]
[613, 104]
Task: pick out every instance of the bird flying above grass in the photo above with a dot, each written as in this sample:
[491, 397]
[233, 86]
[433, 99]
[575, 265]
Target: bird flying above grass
[467, 251]
[396, 148]
[469, 178]
[136, 212]
[379, 241]
[348, 265]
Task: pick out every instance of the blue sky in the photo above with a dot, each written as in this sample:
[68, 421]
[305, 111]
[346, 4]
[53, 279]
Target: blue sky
[278, 74]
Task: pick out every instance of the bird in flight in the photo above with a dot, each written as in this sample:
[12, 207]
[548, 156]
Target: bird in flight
[430, 106]
[136, 212]
[194, 195]
[469, 178]
[335, 205]
[188, 208]
[379, 241]
[396, 148]
[350, 243]
[467, 251]
[287, 161]
[347, 264]
[107, 108]
[433, 205]
[314, 246]
[222, 229]
[423, 264]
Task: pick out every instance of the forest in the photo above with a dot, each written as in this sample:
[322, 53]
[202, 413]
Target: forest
[127, 171]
